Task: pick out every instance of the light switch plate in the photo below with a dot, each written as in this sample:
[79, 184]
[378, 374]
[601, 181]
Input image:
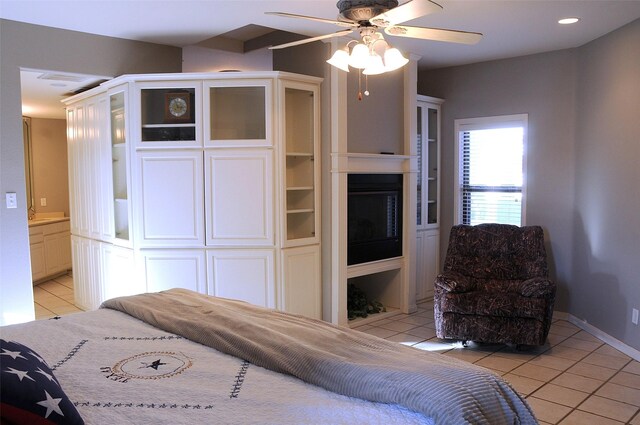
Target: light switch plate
[12, 200]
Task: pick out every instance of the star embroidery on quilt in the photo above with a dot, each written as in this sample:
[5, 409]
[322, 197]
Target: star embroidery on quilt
[21, 374]
[42, 372]
[155, 365]
[12, 354]
[37, 357]
[51, 404]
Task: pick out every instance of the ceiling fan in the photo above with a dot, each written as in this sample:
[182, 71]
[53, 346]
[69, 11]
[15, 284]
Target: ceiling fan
[369, 16]
[374, 55]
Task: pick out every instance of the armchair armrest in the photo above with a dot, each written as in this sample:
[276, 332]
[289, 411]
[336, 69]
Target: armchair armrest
[537, 287]
[451, 281]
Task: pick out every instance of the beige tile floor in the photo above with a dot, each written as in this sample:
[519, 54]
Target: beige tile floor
[54, 297]
[574, 379]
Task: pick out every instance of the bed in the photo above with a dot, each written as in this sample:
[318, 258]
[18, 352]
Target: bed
[179, 357]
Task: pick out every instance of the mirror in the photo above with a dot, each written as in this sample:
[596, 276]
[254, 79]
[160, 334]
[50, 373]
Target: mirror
[28, 169]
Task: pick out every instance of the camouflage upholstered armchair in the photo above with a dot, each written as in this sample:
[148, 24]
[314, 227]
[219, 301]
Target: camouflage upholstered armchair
[495, 286]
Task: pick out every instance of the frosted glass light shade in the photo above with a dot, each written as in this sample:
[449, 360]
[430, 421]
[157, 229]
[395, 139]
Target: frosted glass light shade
[375, 65]
[393, 59]
[340, 59]
[359, 56]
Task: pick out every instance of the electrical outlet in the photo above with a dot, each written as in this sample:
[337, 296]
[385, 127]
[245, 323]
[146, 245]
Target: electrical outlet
[43, 202]
[634, 316]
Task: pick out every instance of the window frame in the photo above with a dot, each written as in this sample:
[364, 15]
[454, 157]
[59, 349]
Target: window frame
[485, 123]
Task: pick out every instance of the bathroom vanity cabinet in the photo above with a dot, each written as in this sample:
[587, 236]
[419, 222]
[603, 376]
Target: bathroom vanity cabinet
[50, 246]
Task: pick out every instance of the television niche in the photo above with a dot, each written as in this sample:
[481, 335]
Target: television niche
[374, 212]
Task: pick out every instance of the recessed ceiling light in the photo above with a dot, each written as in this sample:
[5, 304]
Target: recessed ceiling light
[567, 21]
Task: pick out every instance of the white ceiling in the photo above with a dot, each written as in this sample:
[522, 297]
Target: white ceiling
[510, 27]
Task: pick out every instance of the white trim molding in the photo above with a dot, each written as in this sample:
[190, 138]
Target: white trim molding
[602, 336]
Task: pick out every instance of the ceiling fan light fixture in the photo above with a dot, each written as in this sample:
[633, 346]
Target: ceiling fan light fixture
[375, 65]
[340, 59]
[359, 56]
[393, 59]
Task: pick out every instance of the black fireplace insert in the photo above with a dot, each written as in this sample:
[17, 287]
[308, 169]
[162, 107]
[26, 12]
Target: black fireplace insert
[374, 211]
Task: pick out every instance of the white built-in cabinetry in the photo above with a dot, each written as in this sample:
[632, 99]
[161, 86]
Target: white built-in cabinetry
[428, 195]
[50, 248]
[202, 181]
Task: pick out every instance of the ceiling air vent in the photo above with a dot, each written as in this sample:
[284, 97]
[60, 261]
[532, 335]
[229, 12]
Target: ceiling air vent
[56, 76]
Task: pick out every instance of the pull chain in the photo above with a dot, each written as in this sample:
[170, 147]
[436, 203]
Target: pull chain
[366, 84]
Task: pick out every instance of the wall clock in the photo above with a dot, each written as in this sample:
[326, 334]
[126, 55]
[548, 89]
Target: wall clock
[177, 107]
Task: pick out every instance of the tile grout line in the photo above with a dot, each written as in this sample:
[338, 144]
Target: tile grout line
[593, 393]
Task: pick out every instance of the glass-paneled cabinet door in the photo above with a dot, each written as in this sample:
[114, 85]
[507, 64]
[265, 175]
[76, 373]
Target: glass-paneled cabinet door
[169, 114]
[119, 165]
[238, 112]
[301, 160]
[428, 152]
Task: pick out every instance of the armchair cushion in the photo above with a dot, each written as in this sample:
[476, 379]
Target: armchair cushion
[454, 282]
[535, 287]
[496, 304]
[538, 287]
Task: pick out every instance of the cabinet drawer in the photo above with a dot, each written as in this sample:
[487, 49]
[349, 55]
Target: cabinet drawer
[55, 228]
[35, 238]
[35, 230]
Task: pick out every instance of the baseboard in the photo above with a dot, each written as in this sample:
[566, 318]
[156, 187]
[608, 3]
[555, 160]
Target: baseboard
[604, 337]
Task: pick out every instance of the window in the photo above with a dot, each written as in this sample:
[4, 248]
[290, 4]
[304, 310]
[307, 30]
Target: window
[491, 173]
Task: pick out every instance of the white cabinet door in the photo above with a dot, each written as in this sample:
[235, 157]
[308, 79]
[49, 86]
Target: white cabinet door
[120, 278]
[88, 175]
[169, 114]
[239, 197]
[246, 275]
[52, 253]
[87, 272]
[73, 159]
[302, 292]
[65, 251]
[170, 205]
[164, 269]
[427, 262]
[38, 265]
[238, 113]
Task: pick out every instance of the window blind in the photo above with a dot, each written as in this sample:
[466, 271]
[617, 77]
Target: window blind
[492, 176]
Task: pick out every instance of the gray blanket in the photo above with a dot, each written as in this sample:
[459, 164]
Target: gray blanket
[336, 358]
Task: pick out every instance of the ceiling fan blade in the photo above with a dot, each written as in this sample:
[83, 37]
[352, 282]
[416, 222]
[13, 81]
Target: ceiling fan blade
[452, 36]
[405, 12]
[313, 18]
[312, 39]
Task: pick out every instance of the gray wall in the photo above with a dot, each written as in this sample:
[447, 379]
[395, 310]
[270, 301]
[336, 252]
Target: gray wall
[581, 178]
[37, 47]
[376, 123]
[605, 280]
[50, 165]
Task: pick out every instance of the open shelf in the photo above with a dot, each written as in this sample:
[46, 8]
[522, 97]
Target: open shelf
[359, 321]
[300, 168]
[381, 286]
